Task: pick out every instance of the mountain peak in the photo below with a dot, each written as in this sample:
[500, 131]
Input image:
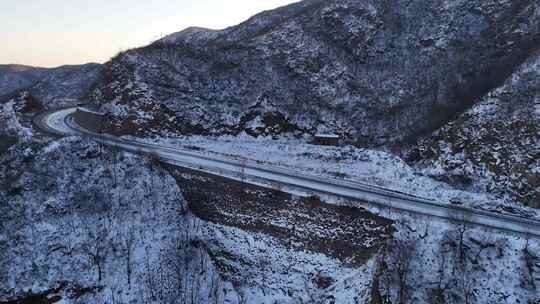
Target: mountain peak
[187, 34]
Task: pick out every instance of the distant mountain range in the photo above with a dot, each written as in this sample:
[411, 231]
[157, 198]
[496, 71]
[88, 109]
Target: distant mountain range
[15, 77]
[50, 86]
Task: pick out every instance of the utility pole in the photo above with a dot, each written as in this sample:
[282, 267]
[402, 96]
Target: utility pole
[243, 164]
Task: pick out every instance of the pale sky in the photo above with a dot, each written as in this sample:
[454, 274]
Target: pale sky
[56, 32]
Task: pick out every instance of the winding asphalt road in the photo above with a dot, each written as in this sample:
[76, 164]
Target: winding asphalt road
[62, 122]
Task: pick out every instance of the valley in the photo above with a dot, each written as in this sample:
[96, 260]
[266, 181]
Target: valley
[192, 170]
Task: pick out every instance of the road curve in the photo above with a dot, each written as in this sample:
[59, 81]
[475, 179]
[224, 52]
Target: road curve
[61, 122]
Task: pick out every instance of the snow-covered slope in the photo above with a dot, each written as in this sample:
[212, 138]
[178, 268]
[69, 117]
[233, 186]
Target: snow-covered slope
[278, 248]
[433, 262]
[494, 146]
[66, 84]
[15, 118]
[376, 168]
[191, 34]
[82, 224]
[374, 71]
[85, 225]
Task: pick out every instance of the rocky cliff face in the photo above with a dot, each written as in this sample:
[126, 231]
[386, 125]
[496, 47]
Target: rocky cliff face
[377, 72]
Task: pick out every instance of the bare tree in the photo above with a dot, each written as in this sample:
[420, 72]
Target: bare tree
[466, 286]
[383, 276]
[396, 267]
[442, 285]
[152, 165]
[151, 280]
[243, 164]
[96, 248]
[215, 287]
[457, 239]
[461, 219]
[129, 245]
[530, 260]
[404, 252]
[242, 299]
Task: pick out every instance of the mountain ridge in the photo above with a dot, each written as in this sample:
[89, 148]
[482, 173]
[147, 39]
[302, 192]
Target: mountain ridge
[51, 87]
[351, 64]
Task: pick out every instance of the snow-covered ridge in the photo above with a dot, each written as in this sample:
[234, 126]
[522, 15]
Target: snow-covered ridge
[341, 66]
[189, 35]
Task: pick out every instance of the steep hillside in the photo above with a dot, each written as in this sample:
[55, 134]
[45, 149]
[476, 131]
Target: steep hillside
[80, 223]
[83, 224]
[73, 226]
[377, 72]
[66, 84]
[16, 77]
[277, 248]
[49, 87]
[494, 146]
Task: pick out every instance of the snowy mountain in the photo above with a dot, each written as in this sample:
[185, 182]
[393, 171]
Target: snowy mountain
[375, 72]
[26, 91]
[450, 86]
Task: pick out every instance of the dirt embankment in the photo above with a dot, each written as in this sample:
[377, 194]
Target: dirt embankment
[352, 235]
